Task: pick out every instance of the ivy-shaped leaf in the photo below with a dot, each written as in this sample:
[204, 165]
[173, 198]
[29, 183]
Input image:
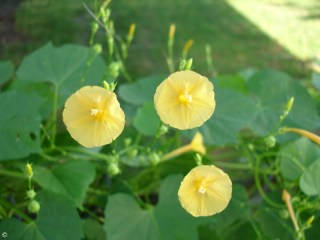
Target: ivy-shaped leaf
[70, 179]
[126, 220]
[57, 219]
[19, 125]
[64, 68]
[6, 71]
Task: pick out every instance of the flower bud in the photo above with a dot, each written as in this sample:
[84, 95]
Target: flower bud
[198, 159]
[113, 169]
[132, 152]
[114, 68]
[31, 194]
[131, 32]
[154, 158]
[97, 49]
[182, 64]
[29, 170]
[127, 142]
[34, 206]
[94, 27]
[188, 64]
[270, 141]
[310, 221]
[162, 130]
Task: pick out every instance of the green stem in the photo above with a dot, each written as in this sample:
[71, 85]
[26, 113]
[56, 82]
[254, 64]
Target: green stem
[260, 188]
[17, 211]
[234, 165]
[93, 154]
[54, 115]
[12, 174]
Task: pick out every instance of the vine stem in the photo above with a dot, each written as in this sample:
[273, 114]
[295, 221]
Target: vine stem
[17, 211]
[259, 186]
[12, 174]
[54, 115]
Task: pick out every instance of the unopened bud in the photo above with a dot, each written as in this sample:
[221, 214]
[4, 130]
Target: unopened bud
[287, 108]
[114, 69]
[187, 47]
[188, 64]
[113, 169]
[131, 32]
[310, 221]
[127, 142]
[154, 158]
[284, 214]
[132, 152]
[172, 30]
[182, 64]
[198, 159]
[29, 170]
[97, 49]
[162, 130]
[34, 206]
[31, 194]
[94, 27]
[270, 141]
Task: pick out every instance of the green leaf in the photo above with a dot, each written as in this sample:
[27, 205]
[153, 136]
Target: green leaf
[93, 230]
[19, 125]
[19, 231]
[310, 179]
[271, 91]
[6, 71]
[296, 157]
[165, 221]
[273, 225]
[58, 219]
[146, 120]
[70, 179]
[235, 82]
[141, 91]
[63, 67]
[233, 111]
[316, 80]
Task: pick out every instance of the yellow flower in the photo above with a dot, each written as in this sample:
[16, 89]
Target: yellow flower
[93, 116]
[205, 191]
[185, 100]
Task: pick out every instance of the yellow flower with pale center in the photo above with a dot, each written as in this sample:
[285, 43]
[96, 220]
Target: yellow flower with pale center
[205, 191]
[185, 100]
[93, 116]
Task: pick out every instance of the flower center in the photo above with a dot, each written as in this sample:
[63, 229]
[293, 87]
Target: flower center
[185, 97]
[97, 113]
[201, 189]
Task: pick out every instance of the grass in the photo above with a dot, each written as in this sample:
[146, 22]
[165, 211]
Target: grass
[241, 34]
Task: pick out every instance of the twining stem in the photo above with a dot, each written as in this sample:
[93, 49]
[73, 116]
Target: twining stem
[233, 165]
[260, 188]
[12, 174]
[17, 211]
[54, 115]
[93, 154]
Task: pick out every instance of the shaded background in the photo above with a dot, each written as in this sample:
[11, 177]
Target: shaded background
[282, 34]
